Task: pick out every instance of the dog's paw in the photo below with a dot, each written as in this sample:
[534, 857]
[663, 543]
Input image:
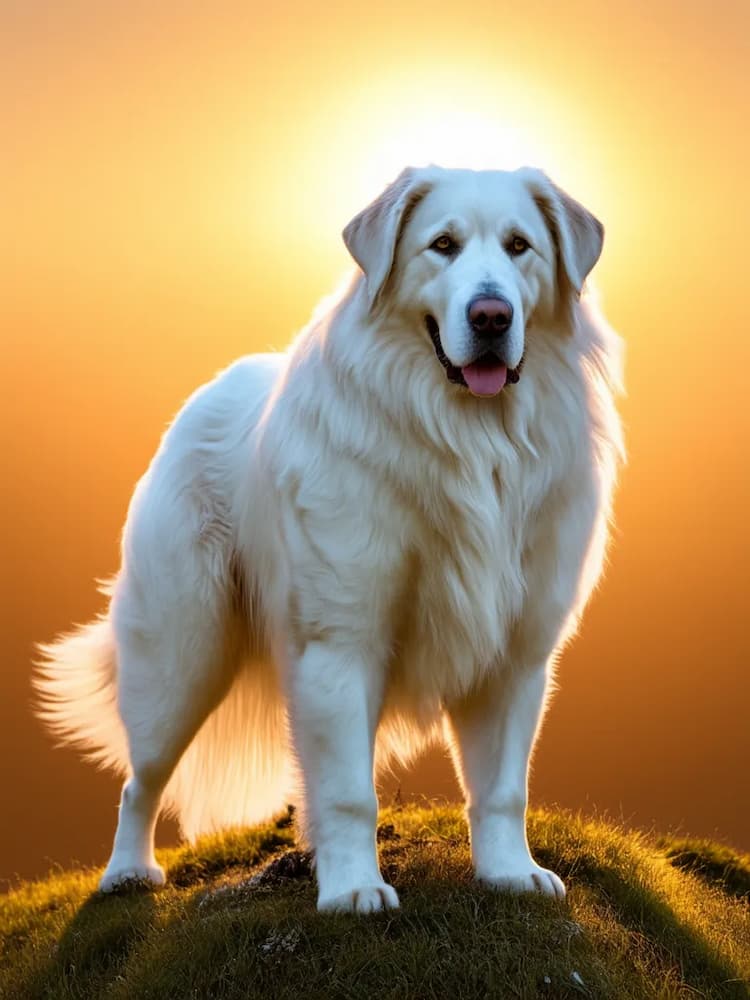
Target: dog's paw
[365, 899]
[118, 877]
[530, 877]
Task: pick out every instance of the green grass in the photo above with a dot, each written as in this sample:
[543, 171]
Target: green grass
[645, 917]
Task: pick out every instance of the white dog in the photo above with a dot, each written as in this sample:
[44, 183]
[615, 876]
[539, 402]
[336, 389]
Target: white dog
[392, 528]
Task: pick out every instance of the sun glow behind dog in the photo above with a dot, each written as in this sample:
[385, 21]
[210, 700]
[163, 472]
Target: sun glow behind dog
[405, 117]
[176, 182]
[451, 134]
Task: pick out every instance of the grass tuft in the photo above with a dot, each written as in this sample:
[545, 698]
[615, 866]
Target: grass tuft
[716, 863]
[645, 917]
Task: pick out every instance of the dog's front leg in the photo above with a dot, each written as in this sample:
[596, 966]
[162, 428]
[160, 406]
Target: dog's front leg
[335, 696]
[494, 731]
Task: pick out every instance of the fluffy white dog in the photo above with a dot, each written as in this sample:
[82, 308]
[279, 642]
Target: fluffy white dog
[389, 531]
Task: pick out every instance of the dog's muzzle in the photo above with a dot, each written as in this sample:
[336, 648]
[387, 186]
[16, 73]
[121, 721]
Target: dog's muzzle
[488, 360]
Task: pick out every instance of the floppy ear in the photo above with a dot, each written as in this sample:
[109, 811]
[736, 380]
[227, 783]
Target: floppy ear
[372, 236]
[577, 234]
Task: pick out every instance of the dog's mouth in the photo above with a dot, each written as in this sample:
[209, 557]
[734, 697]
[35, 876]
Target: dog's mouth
[486, 376]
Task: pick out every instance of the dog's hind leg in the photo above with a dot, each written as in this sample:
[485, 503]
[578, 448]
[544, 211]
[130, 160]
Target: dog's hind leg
[169, 681]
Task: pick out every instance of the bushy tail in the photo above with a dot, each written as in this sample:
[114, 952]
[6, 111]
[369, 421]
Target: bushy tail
[235, 772]
[76, 686]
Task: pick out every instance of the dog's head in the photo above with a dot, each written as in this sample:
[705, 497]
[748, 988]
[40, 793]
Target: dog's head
[472, 259]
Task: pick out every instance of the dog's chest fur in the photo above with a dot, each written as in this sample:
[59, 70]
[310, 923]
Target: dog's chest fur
[472, 543]
[413, 540]
[463, 587]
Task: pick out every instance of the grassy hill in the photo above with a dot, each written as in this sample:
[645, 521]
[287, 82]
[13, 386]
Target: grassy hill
[645, 917]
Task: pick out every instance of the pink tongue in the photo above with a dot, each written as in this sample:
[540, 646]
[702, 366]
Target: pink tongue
[485, 380]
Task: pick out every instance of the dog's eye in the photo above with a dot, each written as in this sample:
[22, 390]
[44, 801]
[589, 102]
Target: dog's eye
[517, 246]
[445, 245]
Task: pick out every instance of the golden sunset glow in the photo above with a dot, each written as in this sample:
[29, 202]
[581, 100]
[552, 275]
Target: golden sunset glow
[175, 180]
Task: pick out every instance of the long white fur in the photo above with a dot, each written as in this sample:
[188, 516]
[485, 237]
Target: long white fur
[337, 555]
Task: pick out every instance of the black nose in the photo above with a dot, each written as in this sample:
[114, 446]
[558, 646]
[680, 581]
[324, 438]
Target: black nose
[490, 317]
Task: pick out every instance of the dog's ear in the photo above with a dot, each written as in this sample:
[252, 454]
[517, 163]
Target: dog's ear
[577, 234]
[372, 236]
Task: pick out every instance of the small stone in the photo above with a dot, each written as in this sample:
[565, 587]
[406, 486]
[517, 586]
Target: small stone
[277, 943]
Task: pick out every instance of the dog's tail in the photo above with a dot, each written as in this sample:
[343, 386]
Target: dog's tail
[76, 687]
[236, 771]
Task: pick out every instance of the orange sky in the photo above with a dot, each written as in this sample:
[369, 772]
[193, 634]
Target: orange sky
[174, 180]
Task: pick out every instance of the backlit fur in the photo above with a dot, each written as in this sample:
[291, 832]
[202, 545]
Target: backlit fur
[336, 541]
